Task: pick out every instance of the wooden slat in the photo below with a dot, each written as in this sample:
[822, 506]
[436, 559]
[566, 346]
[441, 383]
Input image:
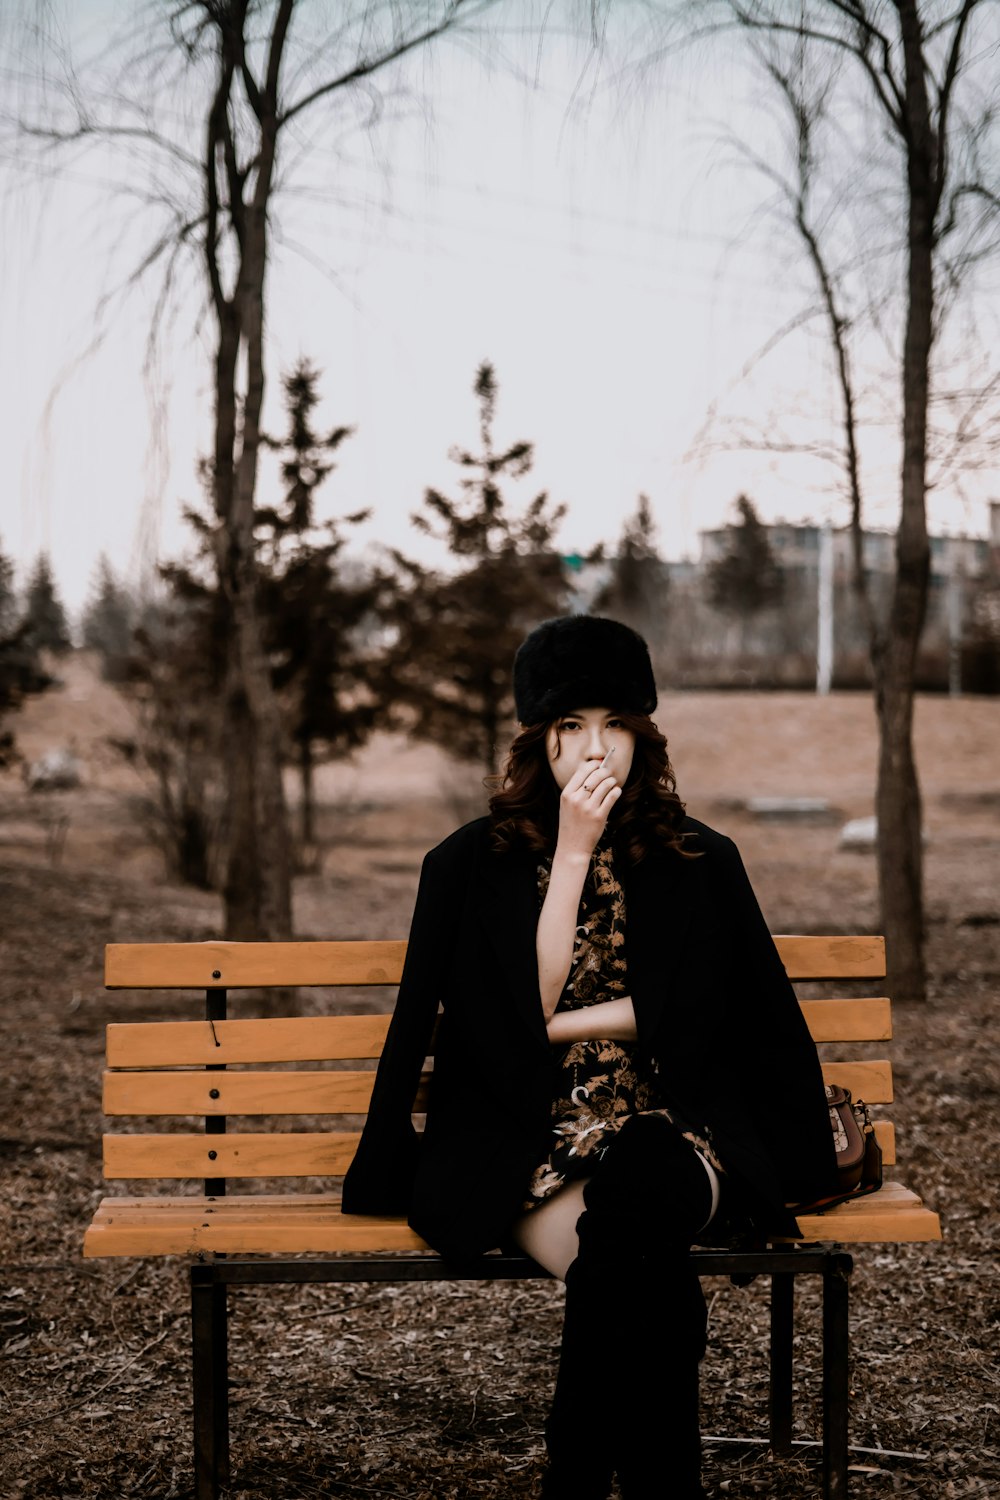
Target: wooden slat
[292, 1093]
[885, 1134]
[233, 1230]
[870, 1081]
[282, 1154]
[260, 965]
[186, 1093]
[253, 1207]
[164, 1044]
[895, 1215]
[849, 1020]
[313, 1224]
[832, 957]
[183, 966]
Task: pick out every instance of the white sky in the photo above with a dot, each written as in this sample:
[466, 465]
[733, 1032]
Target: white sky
[605, 256]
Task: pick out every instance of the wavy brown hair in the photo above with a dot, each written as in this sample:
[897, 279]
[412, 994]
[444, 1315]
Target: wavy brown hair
[524, 809]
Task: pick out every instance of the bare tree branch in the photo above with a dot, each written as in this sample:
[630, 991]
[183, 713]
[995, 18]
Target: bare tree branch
[217, 133]
[87, 131]
[371, 65]
[946, 88]
[885, 88]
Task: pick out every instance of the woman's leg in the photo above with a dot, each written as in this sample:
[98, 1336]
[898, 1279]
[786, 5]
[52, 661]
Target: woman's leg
[581, 1465]
[548, 1233]
[627, 1391]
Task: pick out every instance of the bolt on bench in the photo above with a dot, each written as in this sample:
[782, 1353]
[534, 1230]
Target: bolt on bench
[217, 1068]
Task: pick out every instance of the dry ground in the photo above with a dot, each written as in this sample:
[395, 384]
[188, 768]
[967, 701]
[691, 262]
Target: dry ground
[441, 1392]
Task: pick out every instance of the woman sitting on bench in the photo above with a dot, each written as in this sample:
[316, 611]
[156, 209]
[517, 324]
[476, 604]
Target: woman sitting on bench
[622, 1068]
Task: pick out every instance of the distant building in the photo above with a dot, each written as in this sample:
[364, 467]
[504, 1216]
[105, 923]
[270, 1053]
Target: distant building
[781, 644]
[796, 549]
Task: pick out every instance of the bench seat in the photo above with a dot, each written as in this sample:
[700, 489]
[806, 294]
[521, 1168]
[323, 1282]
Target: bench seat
[311, 1223]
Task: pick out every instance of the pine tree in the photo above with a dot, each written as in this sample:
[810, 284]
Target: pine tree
[108, 622]
[44, 614]
[175, 669]
[747, 578]
[20, 671]
[637, 589]
[314, 615]
[8, 597]
[315, 610]
[455, 634]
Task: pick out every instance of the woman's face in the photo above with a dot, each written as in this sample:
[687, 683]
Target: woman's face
[587, 734]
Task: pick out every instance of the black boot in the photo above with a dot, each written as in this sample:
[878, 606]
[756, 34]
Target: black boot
[644, 1207]
[564, 1481]
[576, 1436]
[658, 1455]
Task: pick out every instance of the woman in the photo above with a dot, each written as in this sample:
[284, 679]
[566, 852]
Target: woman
[617, 1043]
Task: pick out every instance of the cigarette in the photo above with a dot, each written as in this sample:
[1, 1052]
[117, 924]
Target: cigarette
[606, 758]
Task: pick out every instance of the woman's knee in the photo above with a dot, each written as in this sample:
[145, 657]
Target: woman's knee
[548, 1233]
[652, 1186]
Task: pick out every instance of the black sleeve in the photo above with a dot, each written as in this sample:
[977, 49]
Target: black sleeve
[772, 1043]
[380, 1179]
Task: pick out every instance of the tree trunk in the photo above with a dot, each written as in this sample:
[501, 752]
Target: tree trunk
[900, 851]
[308, 823]
[257, 887]
[258, 877]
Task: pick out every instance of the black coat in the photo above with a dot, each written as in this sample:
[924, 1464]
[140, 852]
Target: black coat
[713, 1007]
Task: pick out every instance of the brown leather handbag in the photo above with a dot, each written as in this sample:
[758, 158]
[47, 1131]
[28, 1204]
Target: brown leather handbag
[859, 1155]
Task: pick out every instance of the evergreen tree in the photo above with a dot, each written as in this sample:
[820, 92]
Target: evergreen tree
[8, 597]
[747, 578]
[638, 586]
[20, 672]
[455, 634]
[175, 669]
[108, 622]
[313, 617]
[315, 611]
[44, 614]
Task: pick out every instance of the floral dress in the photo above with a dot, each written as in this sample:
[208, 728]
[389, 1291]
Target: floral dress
[599, 1084]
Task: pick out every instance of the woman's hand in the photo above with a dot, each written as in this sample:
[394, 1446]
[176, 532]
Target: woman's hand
[611, 1020]
[584, 804]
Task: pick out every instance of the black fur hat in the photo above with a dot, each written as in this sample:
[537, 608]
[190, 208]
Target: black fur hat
[582, 661]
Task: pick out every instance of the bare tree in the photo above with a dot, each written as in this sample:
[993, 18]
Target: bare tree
[245, 92]
[920, 67]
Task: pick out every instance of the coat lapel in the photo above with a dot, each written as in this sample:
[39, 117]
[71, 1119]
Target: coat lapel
[509, 914]
[661, 895]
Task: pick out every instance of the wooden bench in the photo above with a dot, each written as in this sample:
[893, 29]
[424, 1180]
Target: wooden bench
[218, 1068]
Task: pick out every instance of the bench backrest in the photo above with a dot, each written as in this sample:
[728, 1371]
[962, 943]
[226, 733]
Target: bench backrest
[218, 1068]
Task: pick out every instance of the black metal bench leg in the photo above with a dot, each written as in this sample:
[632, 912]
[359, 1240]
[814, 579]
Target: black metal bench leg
[220, 1366]
[836, 1289]
[782, 1324]
[210, 1381]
